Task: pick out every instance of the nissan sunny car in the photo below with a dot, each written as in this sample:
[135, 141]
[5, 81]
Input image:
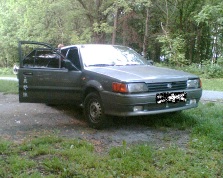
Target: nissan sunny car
[106, 80]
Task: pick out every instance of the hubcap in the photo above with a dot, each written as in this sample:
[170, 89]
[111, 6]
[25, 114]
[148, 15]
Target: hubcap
[95, 111]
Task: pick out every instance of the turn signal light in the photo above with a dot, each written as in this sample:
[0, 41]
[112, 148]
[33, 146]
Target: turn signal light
[119, 87]
[200, 83]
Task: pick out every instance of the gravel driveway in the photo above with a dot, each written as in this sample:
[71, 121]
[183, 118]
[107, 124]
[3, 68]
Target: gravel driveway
[22, 120]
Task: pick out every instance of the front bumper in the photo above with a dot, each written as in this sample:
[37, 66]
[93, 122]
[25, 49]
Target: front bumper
[145, 104]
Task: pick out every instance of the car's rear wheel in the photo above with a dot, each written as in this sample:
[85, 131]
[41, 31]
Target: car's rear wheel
[94, 111]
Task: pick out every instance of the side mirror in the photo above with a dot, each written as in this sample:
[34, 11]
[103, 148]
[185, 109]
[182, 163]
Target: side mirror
[150, 62]
[68, 65]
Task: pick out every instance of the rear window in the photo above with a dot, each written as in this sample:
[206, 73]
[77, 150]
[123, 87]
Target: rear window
[41, 58]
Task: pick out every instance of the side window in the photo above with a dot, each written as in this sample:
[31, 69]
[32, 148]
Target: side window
[73, 56]
[64, 52]
[41, 58]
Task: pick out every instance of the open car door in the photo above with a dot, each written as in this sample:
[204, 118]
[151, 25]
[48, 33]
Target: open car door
[42, 76]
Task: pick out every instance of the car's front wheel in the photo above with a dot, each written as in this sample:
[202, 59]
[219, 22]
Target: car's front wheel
[94, 112]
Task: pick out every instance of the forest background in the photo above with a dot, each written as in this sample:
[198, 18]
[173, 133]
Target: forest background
[176, 32]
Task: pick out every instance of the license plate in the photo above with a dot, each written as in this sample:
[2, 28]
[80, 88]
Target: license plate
[172, 97]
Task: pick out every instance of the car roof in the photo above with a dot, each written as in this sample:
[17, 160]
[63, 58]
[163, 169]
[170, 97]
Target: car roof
[80, 45]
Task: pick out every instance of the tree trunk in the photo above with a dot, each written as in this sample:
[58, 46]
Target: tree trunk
[145, 41]
[123, 32]
[115, 27]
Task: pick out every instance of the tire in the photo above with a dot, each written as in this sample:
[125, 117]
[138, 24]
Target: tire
[94, 111]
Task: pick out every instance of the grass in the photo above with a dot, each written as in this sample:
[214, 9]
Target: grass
[49, 155]
[215, 84]
[7, 87]
[7, 72]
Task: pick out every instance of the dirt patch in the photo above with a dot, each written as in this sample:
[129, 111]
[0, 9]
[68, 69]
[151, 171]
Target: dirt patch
[18, 121]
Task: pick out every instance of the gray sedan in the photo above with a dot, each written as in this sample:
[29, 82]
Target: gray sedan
[103, 79]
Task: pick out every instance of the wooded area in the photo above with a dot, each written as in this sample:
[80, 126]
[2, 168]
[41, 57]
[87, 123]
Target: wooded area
[178, 31]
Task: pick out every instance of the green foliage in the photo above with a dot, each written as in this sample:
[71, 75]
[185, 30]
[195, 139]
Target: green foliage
[173, 49]
[207, 70]
[210, 14]
[102, 28]
[213, 71]
[192, 29]
[83, 38]
[6, 71]
[220, 61]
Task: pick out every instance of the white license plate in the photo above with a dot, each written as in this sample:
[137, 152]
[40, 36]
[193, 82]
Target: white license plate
[172, 97]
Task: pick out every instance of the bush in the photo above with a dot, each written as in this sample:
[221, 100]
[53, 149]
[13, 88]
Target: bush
[6, 71]
[220, 61]
[194, 69]
[174, 49]
[206, 70]
[213, 71]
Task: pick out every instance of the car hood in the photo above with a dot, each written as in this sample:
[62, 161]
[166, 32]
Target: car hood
[144, 73]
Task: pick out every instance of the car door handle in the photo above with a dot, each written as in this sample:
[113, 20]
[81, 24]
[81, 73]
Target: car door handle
[27, 73]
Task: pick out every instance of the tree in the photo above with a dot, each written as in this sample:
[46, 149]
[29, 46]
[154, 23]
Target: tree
[94, 11]
[212, 16]
[9, 25]
[173, 44]
[188, 31]
[144, 6]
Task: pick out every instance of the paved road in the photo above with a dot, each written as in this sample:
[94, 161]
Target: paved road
[212, 95]
[207, 95]
[9, 78]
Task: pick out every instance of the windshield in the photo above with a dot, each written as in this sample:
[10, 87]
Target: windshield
[108, 55]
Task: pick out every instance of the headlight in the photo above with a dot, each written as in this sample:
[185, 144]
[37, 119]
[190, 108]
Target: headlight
[129, 88]
[194, 83]
[137, 87]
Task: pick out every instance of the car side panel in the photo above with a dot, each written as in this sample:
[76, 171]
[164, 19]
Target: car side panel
[49, 86]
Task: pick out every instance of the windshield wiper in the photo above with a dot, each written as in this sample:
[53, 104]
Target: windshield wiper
[101, 65]
[133, 64]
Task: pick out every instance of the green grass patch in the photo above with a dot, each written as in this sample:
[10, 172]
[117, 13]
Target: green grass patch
[6, 72]
[215, 84]
[9, 87]
[53, 156]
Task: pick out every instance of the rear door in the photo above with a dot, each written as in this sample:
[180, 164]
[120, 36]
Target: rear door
[42, 77]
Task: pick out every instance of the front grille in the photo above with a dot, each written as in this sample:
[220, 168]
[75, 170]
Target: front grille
[164, 106]
[167, 86]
